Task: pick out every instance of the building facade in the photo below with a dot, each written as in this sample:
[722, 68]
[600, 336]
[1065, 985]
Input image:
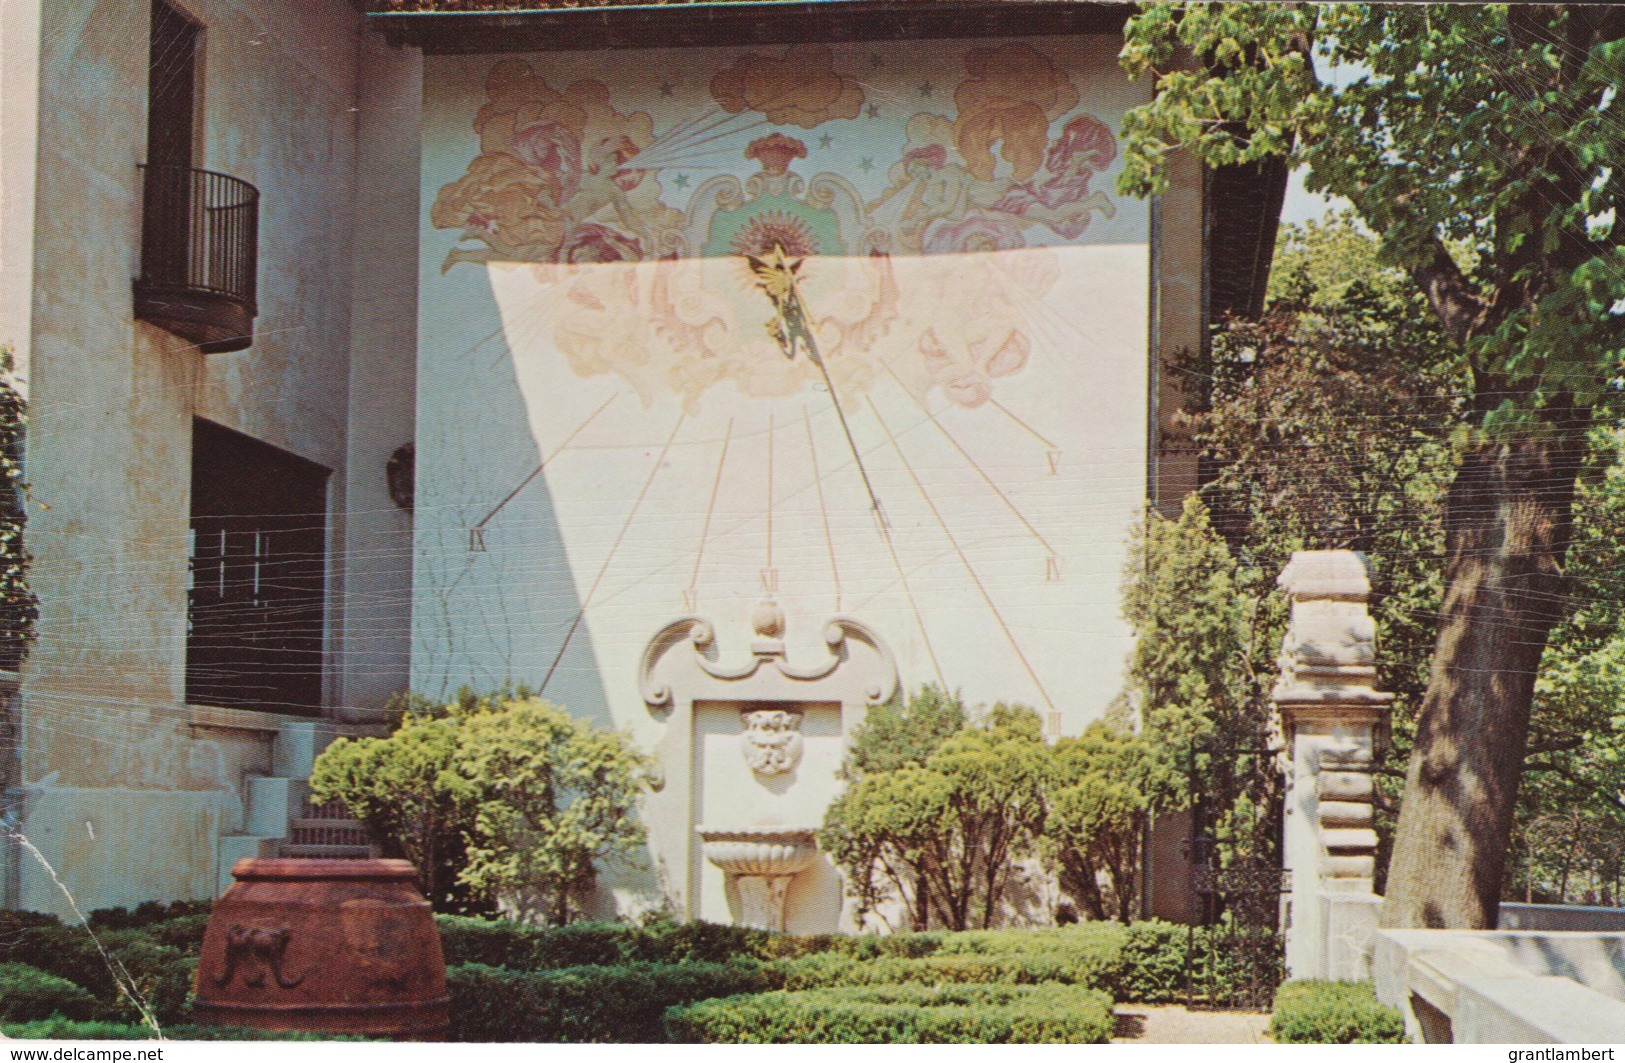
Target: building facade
[375, 351]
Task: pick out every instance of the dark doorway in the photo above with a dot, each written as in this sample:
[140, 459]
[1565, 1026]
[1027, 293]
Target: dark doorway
[258, 575]
[171, 117]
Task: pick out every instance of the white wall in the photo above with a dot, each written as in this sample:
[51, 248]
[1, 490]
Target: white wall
[997, 397]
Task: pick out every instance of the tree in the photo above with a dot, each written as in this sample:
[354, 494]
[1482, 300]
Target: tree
[903, 732]
[405, 789]
[556, 796]
[1476, 142]
[19, 608]
[941, 836]
[1102, 788]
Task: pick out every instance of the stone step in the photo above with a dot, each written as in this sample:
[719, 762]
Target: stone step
[328, 832]
[272, 801]
[327, 852]
[235, 847]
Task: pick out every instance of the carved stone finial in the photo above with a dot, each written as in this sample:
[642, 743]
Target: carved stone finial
[1329, 653]
[768, 619]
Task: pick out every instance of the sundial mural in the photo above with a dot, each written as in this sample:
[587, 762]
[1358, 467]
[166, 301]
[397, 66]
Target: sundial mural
[861, 329]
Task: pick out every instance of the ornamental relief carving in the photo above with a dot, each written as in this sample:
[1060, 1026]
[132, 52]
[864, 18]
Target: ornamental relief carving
[771, 742]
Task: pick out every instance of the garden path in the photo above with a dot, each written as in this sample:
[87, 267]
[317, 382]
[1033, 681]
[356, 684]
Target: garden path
[1146, 1024]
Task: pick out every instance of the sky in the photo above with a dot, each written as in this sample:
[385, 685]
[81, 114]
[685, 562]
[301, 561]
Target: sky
[1302, 205]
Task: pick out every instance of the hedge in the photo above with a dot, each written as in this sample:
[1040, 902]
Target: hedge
[1088, 955]
[519, 946]
[28, 994]
[623, 1003]
[163, 973]
[1153, 963]
[67, 1030]
[964, 1014]
[1334, 1013]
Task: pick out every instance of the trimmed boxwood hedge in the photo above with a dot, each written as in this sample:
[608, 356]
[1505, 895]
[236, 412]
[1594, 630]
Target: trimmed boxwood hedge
[622, 1003]
[1334, 1013]
[913, 1014]
[1086, 954]
[69, 1030]
[160, 956]
[28, 994]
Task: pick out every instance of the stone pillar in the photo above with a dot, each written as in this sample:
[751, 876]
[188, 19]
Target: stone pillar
[1328, 712]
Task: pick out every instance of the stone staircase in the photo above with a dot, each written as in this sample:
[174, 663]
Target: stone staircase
[326, 831]
[281, 820]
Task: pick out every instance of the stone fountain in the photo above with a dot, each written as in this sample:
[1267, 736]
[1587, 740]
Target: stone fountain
[760, 861]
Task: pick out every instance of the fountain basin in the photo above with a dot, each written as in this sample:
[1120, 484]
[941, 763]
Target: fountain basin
[760, 862]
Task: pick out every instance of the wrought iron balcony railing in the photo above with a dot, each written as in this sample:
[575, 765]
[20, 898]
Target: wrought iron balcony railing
[199, 256]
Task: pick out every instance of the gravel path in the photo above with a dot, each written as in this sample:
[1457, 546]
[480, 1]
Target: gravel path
[1148, 1024]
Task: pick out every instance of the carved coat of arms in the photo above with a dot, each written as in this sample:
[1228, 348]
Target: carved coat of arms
[772, 741]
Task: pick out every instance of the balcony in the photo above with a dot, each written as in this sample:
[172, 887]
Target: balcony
[199, 256]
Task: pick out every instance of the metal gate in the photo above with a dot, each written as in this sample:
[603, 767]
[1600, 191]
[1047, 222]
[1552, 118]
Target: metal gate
[1236, 954]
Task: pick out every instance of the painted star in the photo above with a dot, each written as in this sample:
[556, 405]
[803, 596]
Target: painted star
[681, 181]
[668, 90]
[866, 165]
[826, 140]
[872, 111]
[927, 89]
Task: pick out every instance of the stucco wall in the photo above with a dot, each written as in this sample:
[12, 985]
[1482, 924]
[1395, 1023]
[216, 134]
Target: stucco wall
[979, 295]
[124, 795]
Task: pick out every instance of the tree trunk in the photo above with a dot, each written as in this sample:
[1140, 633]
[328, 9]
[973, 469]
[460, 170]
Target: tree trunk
[1507, 525]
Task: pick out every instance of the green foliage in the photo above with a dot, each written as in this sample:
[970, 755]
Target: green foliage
[1570, 836]
[1478, 143]
[1152, 965]
[1102, 788]
[28, 994]
[944, 1014]
[1490, 129]
[900, 733]
[406, 790]
[1084, 954]
[159, 957]
[1334, 1013]
[940, 835]
[1190, 672]
[69, 1030]
[148, 914]
[524, 946]
[494, 794]
[598, 1004]
[556, 796]
[19, 608]
[1202, 663]
[1344, 392]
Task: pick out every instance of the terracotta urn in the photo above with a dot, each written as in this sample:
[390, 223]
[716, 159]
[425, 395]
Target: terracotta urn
[331, 946]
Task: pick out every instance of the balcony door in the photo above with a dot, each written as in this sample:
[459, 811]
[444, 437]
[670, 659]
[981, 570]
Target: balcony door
[171, 124]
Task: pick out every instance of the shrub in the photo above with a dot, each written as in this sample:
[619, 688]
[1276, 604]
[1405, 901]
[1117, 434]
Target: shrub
[1083, 955]
[149, 913]
[526, 947]
[163, 977]
[1153, 963]
[67, 1030]
[623, 1003]
[1334, 1013]
[28, 994]
[162, 973]
[974, 1014]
